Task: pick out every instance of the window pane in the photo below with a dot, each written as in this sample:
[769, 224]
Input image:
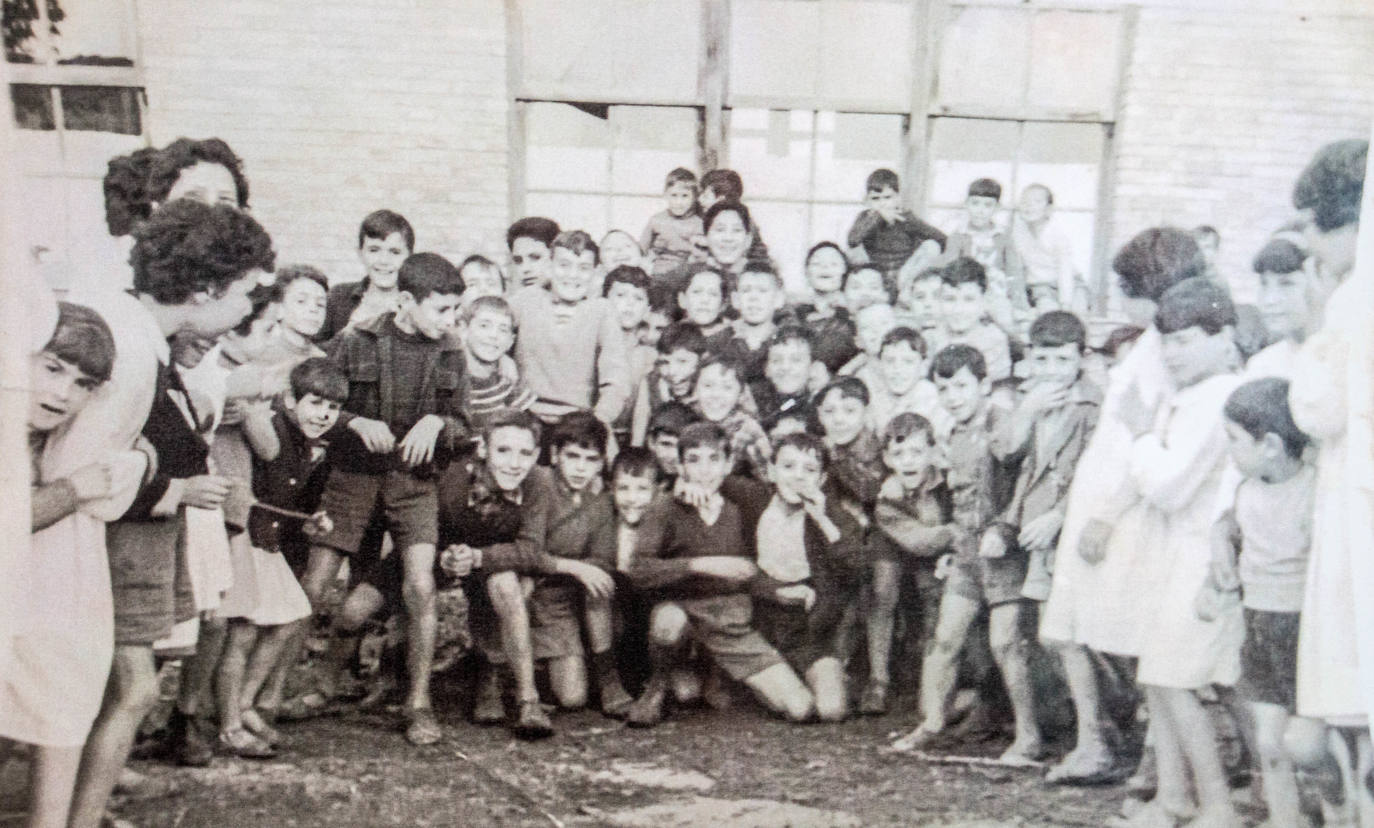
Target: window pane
[774, 48]
[965, 149]
[650, 141]
[32, 106]
[94, 32]
[566, 148]
[849, 146]
[771, 150]
[572, 211]
[871, 63]
[1074, 62]
[102, 109]
[1079, 226]
[983, 57]
[631, 213]
[1064, 157]
[784, 226]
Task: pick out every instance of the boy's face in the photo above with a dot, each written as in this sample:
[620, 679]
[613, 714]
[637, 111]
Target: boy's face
[706, 466]
[718, 391]
[531, 259]
[206, 182]
[963, 394]
[314, 414]
[872, 325]
[794, 471]
[788, 366]
[707, 198]
[681, 196]
[680, 367]
[865, 287]
[619, 248]
[481, 280]
[1284, 303]
[382, 259]
[902, 366]
[962, 306]
[632, 494]
[58, 390]
[842, 418]
[631, 305]
[1057, 365]
[435, 316]
[578, 466]
[664, 447]
[981, 210]
[489, 336]
[1192, 355]
[922, 298]
[728, 239]
[787, 424]
[1034, 204]
[886, 199]
[825, 270]
[302, 307]
[1251, 456]
[910, 460]
[703, 301]
[510, 453]
[214, 316]
[757, 298]
[572, 274]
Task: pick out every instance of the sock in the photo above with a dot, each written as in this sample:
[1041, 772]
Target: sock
[603, 667]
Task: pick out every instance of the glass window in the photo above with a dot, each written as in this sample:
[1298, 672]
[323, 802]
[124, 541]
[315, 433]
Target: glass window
[102, 109]
[69, 32]
[1074, 60]
[984, 57]
[774, 46]
[32, 106]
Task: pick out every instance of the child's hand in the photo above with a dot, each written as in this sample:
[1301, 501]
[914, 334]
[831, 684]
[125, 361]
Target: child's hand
[1211, 602]
[943, 566]
[598, 582]
[376, 435]
[892, 489]
[1134, 413]
[1092, 542]
[457, 560]
[797, 594]
[206, 491]
[417, 447]
[993, 544]
[1042, 396]
[91, 482]
[725, 567]
[691, 494]
[1040, 532]
[233, 412]
[319, 524]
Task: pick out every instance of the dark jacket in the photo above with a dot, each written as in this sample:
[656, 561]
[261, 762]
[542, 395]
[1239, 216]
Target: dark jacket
[181, 452]
[292, 480]
[339, 305]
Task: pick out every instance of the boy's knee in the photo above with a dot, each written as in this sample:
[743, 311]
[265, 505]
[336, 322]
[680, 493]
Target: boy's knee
[418, 591]
[1305, 742]
[135, 680]
[799, 705]
[503, 589]
[667, 624]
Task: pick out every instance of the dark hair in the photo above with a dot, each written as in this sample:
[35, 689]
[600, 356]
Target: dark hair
[726, 184]
[491, 303]
[760, 267]
[1156, 259]
[382, 223]
[848, 387]
[1251, 335]
[1206, 230]
[695, 269]
[513, 418]
[819, 246]
[680, 175]
[581, 429]
[424, 273]
[671, 417]
[902, 333]
[186, 247]
[858, 267]
[83, 339]
[126, 190]
[1333, 183]
[1119, 338]
[727, 207]
[1056, 328]
[906, 425]
[478, 260]
[790, 332]
[1279, 256]
[286, 274]
[166, 165]
[702, 434]
[260, 298]
[803, 441]
[965, 271]
[322, 377]
[953, 358]
[985, 188]
[882, 179]
[636, 461]
[682, 336]
[1197, 302]
[731, 364]
[627, 275]
[1261, 407]
[532, 227]
[579, 242]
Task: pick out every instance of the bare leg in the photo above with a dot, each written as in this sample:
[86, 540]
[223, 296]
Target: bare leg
[568, 677]
[886, 583]
[229, 677]
[1172, 795]
[1192, 729]
[52, 776]
[783, 692]
[508, 599]
[1280, 783]
[599, 621]
[1091, 757]
[198, 671]
[422, 621]
[1011, 651]
[940, 670]
[129, 695]
[825, 677]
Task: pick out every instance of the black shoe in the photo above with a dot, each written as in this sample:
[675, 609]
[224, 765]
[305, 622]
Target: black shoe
[533, 722]
[647, 710]
[189, 747]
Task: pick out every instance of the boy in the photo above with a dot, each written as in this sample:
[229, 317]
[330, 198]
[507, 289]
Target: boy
[636, 481]
[963, 304]
[680, 351]
[758, 297]
[726, 185]
[702, 300]
[695, 562]
[385, 240]
[493, 380]
[897, 383]
[665, 425]
[872, 324]
[667, 238]
[810, 559]
[530, 242]
[720, 394]
[980, 238]
[865, 285]
[918, 303]
[482, 277]
[984, 571]
[571, 350]
[1047, 254]
[1287, 305]
[911, 520]
[784, 391]
[856, 466]
[888, 233]
[627, 289]
[405, 414]
[620, 248]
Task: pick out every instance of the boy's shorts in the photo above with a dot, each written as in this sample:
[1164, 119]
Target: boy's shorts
[721, 624]
[556, 617]
[787, 627]
[410, 505]
[1269, 658]
[991, 581]
[149, 579]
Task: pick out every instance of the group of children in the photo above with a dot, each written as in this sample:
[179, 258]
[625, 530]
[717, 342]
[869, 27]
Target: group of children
[650, 473]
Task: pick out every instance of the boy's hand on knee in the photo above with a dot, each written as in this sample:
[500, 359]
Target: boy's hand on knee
[797, 594]
[1092, 542]
[319, 524]
[457, 560]
[1040, 532]
[993, 545]
[376, 435]
[597, 581]
[417, 447]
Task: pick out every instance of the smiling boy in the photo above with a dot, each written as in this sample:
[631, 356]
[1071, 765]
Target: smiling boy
[385, 240]
[494, 383]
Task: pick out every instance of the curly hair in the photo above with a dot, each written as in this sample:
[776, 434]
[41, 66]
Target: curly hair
[1155, 260]
[168, 163]
[126, 191]
[187, 247]
[1333, 184]
[133, 183]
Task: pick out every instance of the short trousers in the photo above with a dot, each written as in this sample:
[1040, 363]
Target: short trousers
[387, 576]
[410, 509]
[991, 581]
[556, 617]
[787, 627]
[1269, 658]
[721, 624]
[143, 576]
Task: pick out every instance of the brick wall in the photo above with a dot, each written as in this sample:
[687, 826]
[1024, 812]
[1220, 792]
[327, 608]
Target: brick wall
[350, 106]
[1221, 111]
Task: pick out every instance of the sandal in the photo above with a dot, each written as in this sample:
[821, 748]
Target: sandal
[421, 727]
[255, 723]
[308, 706]
[239, 742]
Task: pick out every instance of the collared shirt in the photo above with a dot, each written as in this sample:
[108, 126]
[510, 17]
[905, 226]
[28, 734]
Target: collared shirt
[977, 483]
[782, 542]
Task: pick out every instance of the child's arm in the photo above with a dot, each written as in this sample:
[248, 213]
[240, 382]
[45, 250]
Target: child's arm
[258, 430]
[51, 502]
[646, 239]
[612, 370]
[650, 570]
[526, 553]
[865, 224]
[1169, 477]
[910, 533]
[1011, 439]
